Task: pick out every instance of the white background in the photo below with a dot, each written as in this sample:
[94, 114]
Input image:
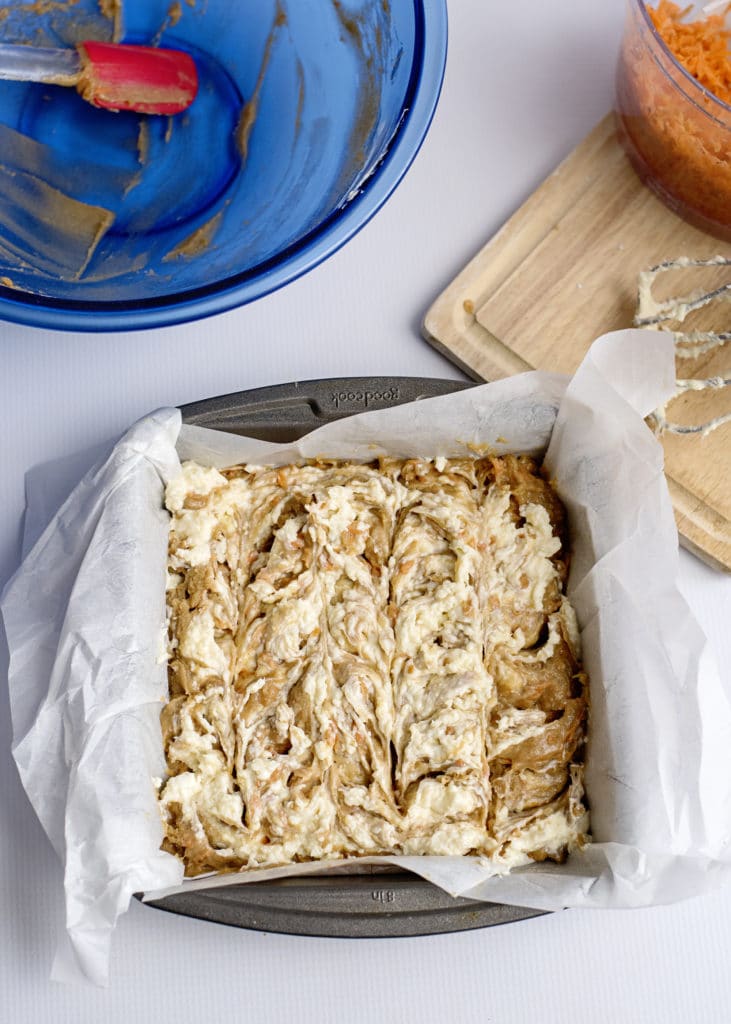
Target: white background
[525, 81]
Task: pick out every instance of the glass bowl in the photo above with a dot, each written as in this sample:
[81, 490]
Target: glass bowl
[309, 113]
[676, 133]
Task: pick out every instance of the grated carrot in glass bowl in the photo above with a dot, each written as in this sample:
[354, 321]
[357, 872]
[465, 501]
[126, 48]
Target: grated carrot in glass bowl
[674, 108]
[701, 46]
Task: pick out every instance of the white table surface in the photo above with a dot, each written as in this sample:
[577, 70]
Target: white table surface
[525, 81]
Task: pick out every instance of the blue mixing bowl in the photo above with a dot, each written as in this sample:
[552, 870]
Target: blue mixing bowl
[309, 113]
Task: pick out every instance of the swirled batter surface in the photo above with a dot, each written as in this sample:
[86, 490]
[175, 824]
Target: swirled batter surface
[371, 659]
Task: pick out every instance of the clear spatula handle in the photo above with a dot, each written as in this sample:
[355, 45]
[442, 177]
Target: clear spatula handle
[39, 64]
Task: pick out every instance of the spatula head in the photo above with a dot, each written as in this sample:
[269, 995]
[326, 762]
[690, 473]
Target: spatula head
[146, 79]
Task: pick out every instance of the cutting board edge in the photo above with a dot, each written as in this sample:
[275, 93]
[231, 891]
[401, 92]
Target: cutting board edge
[438, 331]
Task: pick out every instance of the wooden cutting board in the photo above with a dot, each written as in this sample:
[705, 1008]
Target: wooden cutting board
[562, 271]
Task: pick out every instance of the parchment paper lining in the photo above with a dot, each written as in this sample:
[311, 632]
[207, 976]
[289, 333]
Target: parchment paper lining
[84, 618]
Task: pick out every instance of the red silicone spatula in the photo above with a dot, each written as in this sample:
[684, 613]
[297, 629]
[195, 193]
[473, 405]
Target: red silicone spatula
[115, 76]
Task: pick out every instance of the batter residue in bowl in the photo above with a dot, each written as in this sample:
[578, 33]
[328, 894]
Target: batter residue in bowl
[250, 109]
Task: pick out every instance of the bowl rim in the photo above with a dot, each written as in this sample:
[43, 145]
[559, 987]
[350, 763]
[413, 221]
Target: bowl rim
[418, 108]
[694, 85]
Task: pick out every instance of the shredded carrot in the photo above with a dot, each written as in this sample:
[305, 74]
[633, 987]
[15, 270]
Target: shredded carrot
[702, 46]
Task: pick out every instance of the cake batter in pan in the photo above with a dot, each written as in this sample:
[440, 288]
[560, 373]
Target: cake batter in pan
[377, 902]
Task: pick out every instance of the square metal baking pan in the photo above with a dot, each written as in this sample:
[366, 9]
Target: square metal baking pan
[375, 902]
